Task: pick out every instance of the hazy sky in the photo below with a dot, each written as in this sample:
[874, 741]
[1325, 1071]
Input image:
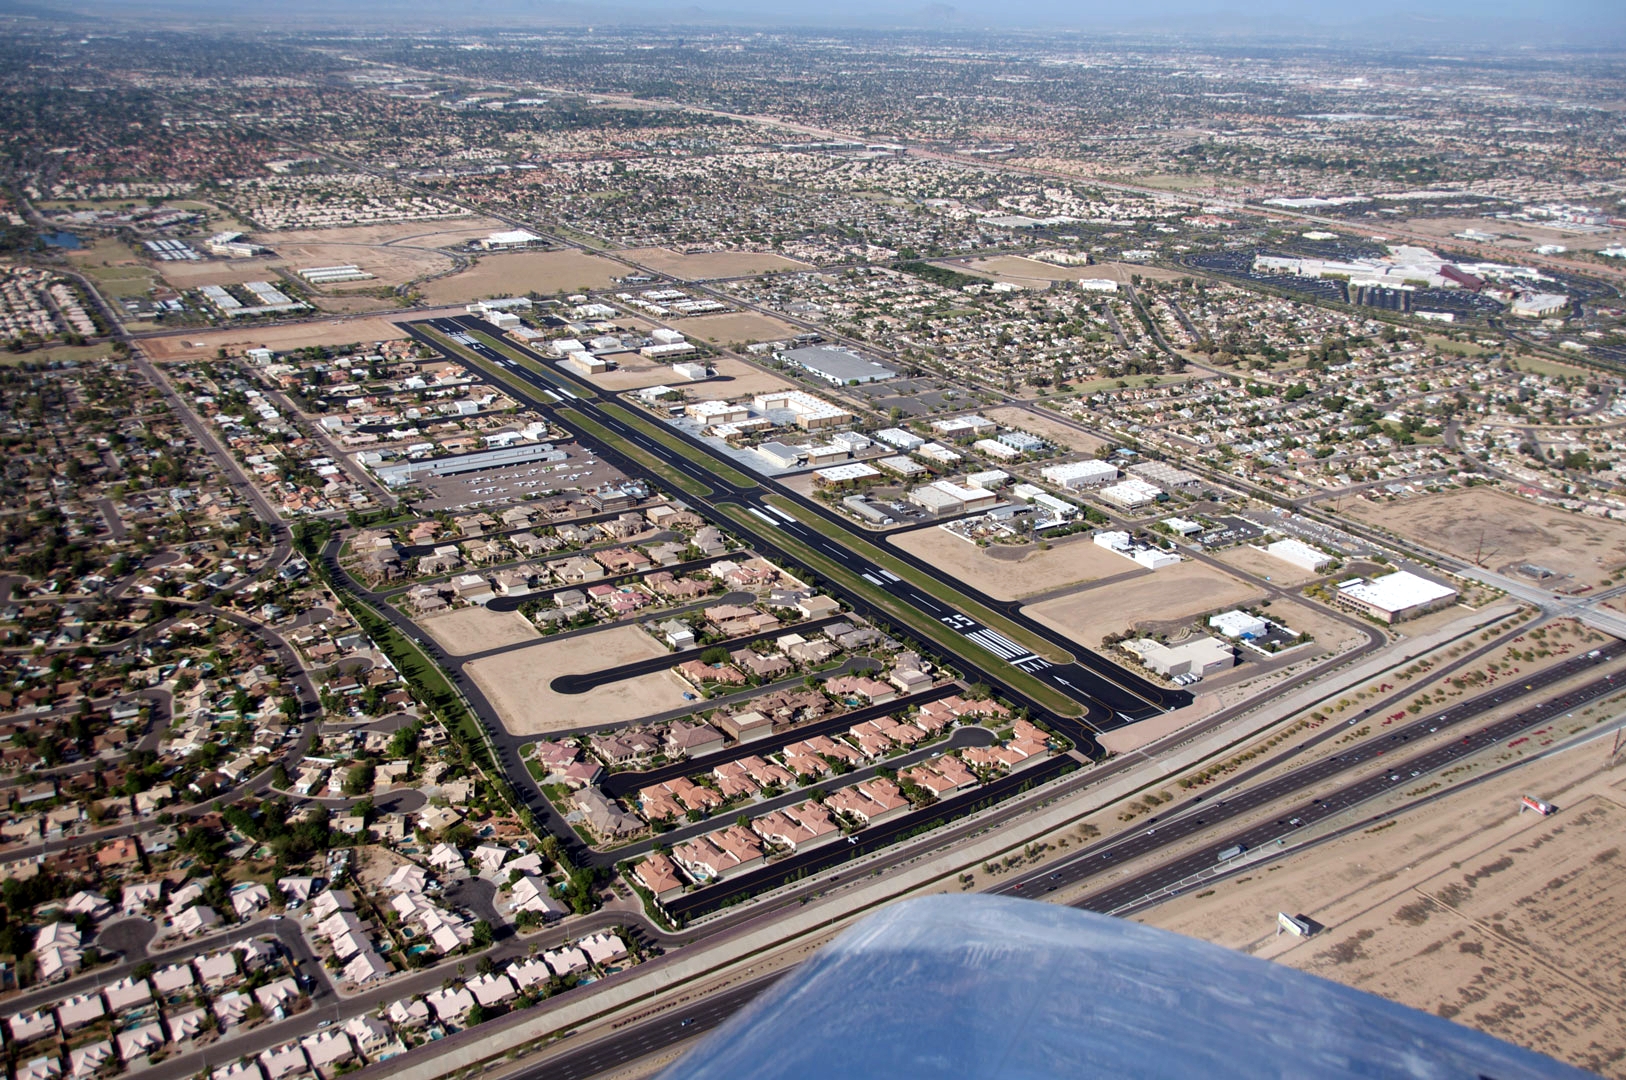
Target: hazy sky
[1511, 23]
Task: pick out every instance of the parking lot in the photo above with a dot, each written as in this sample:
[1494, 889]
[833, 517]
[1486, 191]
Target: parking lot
[498, 488]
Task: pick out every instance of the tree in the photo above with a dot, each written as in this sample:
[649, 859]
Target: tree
[477, 1015]
[481, 934]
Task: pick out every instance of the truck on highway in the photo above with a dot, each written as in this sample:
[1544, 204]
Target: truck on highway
[1232, 852]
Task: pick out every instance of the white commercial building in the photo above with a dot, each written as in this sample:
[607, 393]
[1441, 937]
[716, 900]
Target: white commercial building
[1239, 624]
[1080, 474]
[1394, 597]
[1300, 554]
[1130, 494]
[1203, 656]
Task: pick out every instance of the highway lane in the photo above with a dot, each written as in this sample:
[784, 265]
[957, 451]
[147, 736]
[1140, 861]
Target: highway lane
[633, 1042]
[1242, 796]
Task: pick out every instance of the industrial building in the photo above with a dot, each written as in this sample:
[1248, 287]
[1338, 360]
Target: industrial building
[903, 440]
[1394, 597]
[1131, 494]
[1299, 554]
[1166, 476]
[1121, 543]
[1187, 661]
[836, 366]
[810, 412]
[513, 240]
[945, 497]
[1080, 474]
[334, 275]
[404, 474]
[964, 427]
[837, 476]
[1239, 624]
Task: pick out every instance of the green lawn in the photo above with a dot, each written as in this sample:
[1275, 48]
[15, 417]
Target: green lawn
[904, 614]
[1540, 366]
[643, 457]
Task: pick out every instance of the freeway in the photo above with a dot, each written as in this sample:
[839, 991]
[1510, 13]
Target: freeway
[639, 1041]
[1242, 796]
[1109, 700]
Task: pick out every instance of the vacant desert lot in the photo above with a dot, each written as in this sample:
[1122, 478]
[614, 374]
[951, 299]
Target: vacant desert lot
[518, 273]
[475, 629]
[1032, 273]
[744, 327]
[1069, 562]
[517, 682]
[1515, 925]
[713, 264]
[1261, 564]
[1167, 595]
[734, 379]
[191, 344]
[1504, 530]
[1046, 427]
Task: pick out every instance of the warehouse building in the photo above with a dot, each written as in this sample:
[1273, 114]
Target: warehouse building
[1185, 662]
[1080, 474]
[810, 413]
[836, 366]
[1165, 476]
[1394, 597]
[402, 475]
[1299, 554]
[839, 476]
[964, 427]
[1131, 494]
[945, 497]
[513, 240]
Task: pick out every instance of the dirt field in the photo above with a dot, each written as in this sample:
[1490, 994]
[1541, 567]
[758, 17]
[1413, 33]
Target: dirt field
[1256, 562]
[1020, 270]
[1174, 592]
[475, 629]
[741, 326]
[1518, 235]
[1512, 924]
[1045, 427]
[190, 344]
[735, 379]
[1503, 531]
[1068, 562]
[713, 264]
[517, 682]
[521, 272]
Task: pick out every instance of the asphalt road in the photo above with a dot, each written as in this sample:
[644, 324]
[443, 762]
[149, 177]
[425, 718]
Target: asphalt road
[1242, 796]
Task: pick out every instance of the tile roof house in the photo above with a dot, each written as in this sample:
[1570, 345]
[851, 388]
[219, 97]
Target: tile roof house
[139, 1042]
[450, 1006]
[493, 989]
[86, 1061]
[327, 1050]
[280, 1062]
[658, 874]
[128, 993]
[79, 1010]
